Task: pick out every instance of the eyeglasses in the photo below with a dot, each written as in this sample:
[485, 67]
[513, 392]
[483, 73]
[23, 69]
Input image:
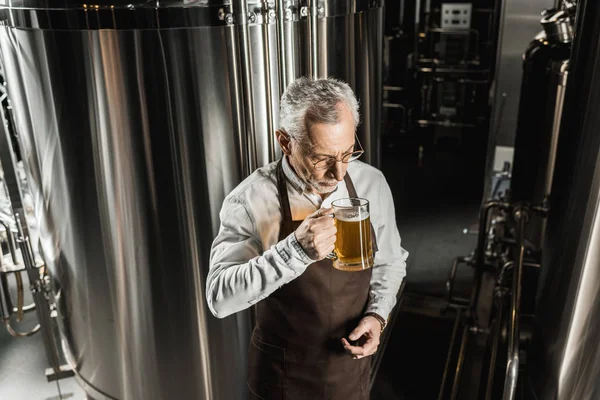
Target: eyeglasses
[328, 162]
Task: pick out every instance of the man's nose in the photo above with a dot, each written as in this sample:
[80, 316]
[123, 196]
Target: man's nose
[339, 171]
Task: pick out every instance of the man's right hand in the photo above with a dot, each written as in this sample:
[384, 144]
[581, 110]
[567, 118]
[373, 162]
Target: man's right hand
[316, 234]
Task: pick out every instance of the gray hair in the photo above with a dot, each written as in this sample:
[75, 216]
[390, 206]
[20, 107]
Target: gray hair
[309, 101]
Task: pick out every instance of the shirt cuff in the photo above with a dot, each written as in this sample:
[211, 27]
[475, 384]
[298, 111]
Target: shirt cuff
[292, 253]
[381, 306]
[299, 251]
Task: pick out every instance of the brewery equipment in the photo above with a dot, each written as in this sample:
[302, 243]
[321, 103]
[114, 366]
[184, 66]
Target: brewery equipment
[565, 359]
[545, 69]
[134, 120]
[507, 258]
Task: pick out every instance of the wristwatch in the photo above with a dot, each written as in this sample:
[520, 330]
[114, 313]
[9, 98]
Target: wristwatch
[379, 318]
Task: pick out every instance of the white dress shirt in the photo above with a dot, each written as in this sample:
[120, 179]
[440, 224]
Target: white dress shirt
[248, 262]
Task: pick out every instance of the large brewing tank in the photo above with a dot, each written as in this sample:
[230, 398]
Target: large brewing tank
[545, 70]
[565, 360]
[135, 119]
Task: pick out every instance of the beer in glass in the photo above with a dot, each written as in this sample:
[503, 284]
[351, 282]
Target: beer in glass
[353, 247]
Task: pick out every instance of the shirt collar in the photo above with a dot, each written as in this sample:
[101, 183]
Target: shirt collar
[297, 182]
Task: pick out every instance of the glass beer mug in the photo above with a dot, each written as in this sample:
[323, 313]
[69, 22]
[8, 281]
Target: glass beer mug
[353, 247]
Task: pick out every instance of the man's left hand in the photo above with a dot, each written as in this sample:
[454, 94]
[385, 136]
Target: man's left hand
[367, 333]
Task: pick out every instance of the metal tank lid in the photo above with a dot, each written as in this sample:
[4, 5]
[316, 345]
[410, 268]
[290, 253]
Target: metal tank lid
[155, 14]
[327, 8]
[558, 26]
[58, 4]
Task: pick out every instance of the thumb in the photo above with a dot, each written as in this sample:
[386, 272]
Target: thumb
[360, 330]
[321, 212]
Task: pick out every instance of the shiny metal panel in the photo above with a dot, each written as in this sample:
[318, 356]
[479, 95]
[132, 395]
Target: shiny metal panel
[519, 23]
[352, 49]
[570, 308]
[266, 108]
[122, 160]
[369, 81]
[565, 361]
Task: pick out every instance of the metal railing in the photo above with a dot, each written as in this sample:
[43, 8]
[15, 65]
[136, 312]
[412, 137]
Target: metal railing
[503, 317]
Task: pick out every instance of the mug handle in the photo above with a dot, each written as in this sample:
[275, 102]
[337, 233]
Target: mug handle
[332, 255]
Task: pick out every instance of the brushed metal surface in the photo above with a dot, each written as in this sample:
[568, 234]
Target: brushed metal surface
[122, 142]
[566, 358]
[519, 24]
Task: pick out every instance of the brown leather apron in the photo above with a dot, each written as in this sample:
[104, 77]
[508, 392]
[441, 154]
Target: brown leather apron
[295, 350]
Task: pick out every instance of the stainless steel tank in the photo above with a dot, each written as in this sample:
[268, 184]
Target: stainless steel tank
[135, 119]
[565, 360]
[545, 69]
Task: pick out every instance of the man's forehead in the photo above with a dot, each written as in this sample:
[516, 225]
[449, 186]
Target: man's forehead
[326, 145]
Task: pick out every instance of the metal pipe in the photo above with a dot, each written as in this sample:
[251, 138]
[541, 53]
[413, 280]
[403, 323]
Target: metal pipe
[9, 162]
[15, 333]
[479, 264]
[480, 250]
[12, 247]
[512, 368]
[20, 296]
[454, 70]
[461, 360]
[267, 77]
[237, 96]
[240, 12]
[5, 300]
[38, 287]
[313, 34]
[416, 31]
[21, 308]
[394, 105]
[452, 277]
[281, 53]
[401, 14]
[449, 356]
[495, 340]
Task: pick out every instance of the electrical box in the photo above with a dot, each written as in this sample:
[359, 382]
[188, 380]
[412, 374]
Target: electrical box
[456, 16]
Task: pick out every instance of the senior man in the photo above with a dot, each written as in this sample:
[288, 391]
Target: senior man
[316, 326]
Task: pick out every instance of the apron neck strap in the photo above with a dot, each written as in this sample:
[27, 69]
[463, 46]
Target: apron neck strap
[284, 201]
[350, 185]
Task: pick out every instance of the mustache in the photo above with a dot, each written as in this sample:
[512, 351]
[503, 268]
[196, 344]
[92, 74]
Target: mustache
[333, 183]
[327, 183]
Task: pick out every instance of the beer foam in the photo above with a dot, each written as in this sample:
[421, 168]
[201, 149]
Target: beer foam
[358, 218]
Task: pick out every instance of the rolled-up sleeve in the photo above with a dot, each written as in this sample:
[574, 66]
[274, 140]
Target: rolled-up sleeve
[241, 274]
[390, 260]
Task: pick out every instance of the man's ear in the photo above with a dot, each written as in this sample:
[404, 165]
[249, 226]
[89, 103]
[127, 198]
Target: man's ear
[284, 142]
